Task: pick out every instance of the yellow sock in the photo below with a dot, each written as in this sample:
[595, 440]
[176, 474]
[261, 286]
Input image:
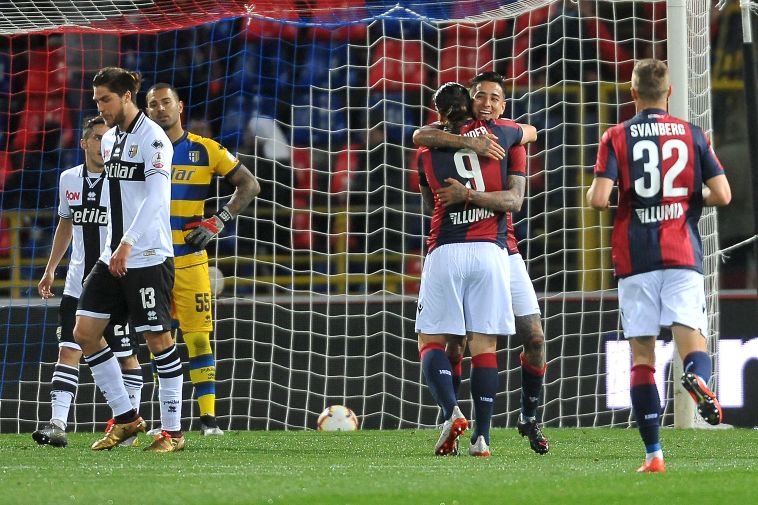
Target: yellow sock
[202, 368]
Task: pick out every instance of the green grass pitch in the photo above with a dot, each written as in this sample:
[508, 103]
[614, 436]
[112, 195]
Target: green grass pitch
[584, 466]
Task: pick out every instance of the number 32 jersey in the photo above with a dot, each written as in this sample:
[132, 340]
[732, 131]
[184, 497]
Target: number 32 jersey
[660, 163]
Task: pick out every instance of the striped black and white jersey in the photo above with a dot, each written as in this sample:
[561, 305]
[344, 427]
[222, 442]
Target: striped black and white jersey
[83, 198]
[138, 167]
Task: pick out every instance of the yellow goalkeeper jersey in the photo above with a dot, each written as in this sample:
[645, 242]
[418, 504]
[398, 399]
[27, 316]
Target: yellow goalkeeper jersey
[196, 160]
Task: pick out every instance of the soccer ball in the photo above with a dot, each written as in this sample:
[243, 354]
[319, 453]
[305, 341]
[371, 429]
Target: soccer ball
[337, 418]
[217, 280]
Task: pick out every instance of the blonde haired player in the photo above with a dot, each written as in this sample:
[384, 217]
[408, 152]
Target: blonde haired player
[661, 164]
[196, 160]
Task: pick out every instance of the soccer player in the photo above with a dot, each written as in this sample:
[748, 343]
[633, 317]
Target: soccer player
[83, 212]
[196, 160]
[660, 163]
[487, 92]
[466, 266]
[135, 273]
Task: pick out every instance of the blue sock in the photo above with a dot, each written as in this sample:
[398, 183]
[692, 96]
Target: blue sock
[439, 377]
[531, 387]
[699, 363]
[647, 406]
[484, 382]
[457, 368]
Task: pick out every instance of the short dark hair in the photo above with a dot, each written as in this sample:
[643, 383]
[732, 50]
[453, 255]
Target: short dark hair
[650, 79]
[453, 102]
[164, 85]
[119, 81]
[488, 76]
[89, 123]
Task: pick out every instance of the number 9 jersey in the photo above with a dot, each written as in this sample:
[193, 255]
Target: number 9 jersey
[465, 222]
[660, 163]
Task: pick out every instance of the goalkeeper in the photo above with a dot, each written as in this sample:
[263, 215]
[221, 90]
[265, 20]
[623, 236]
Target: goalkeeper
[196, 160]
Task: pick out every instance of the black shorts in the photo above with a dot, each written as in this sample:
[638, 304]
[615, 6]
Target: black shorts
[121, 339]
[142, 296]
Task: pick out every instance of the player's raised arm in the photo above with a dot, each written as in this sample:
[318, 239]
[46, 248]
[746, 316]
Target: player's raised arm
[530, 133]
[485, 145]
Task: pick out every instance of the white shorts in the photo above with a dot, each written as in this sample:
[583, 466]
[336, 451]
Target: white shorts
[464, 288]
[522, 290]
[651, 300]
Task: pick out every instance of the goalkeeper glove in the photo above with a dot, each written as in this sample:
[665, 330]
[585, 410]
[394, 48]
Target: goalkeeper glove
[203, 231]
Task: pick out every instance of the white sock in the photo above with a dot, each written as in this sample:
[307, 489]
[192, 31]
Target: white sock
[170, 379]
[133, 385]
[170, 398]
[61, 403]
[64, 384]
[650, 456]
[107, 374]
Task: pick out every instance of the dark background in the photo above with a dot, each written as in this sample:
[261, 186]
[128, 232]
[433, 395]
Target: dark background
[282, 370]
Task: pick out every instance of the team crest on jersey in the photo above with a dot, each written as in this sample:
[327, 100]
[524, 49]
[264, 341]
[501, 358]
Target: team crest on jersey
[157, 160]
[133, 151]
[157, 144]
[194, 156]
[107, 153]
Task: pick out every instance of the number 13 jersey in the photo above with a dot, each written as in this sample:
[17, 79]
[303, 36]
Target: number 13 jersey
[138, 169]
[660, 163]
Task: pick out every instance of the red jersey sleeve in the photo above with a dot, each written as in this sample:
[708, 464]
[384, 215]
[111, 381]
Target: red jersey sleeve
[517, 164]
[606, 165]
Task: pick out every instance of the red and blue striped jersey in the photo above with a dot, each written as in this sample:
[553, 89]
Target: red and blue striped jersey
[660, 163]
[465, 222]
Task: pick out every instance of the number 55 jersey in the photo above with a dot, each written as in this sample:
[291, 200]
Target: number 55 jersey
[660, 163]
